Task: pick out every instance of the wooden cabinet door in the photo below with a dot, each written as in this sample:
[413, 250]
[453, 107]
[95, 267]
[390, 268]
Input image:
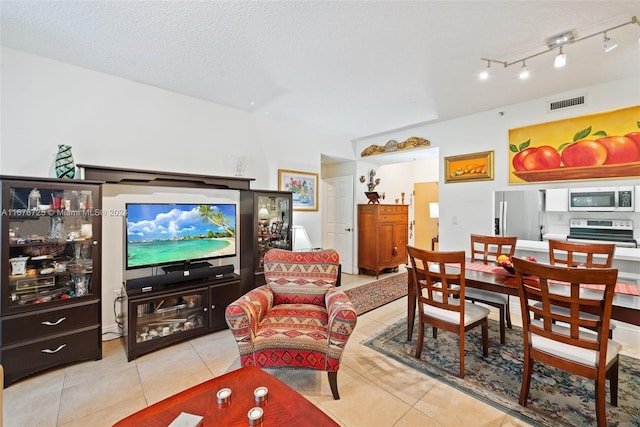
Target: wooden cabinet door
[400, 233]
[386, 243]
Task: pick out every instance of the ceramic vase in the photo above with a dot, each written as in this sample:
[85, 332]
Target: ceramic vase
[65, 167]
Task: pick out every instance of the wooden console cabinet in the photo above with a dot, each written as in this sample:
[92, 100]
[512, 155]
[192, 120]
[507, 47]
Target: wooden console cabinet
[171, 313]
[382, 237]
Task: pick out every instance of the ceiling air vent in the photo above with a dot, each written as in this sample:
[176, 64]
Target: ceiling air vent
[566, 103]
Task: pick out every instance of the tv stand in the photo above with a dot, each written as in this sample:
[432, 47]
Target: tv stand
[166, 315]
[186, 267]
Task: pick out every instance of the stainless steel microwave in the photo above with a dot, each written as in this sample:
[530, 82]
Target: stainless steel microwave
[602, 199]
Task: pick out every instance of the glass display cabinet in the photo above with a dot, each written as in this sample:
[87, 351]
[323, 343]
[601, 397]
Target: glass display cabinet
[265, 224]
[50, 277]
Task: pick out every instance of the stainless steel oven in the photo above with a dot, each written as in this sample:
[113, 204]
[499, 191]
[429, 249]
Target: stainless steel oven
[602, 199]
[616, 231]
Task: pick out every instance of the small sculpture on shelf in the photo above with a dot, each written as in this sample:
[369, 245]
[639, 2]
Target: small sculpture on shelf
[372, 195]
[34, 199]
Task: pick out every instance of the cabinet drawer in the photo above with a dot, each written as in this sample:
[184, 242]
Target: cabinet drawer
[394, 218]
[35, 325]
[392, 209]
[22, 360]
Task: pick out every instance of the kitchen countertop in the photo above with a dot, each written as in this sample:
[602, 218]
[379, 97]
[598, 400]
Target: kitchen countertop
[623, 254]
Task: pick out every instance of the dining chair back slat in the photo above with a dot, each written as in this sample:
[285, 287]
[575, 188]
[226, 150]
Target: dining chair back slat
[487, 249]
[580, 345]
[590, 255]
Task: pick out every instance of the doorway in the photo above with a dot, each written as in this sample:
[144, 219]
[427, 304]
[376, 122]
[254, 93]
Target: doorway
[426, 226]
[338, 199]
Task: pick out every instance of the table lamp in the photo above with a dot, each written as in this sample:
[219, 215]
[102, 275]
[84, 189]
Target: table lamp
[263, 215]
[300, 238]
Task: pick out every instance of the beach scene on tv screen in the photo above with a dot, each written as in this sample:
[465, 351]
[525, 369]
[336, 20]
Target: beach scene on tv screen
[163, 233]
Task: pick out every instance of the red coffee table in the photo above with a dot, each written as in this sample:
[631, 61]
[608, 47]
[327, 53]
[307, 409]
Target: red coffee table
[283, 407]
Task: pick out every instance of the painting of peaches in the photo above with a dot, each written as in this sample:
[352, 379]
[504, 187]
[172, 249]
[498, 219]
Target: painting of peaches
[596, 146]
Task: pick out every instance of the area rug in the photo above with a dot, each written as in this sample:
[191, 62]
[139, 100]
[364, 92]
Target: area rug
[378, 293]
[555, 399]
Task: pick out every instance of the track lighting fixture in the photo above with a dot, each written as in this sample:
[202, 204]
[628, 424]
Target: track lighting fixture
[561, 59]
[608, 44]
[524, 72]
[558, 42]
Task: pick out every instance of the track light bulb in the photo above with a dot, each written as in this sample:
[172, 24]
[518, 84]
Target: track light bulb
[486, 71]
[561, 59]
[608, 44]
[524, 72]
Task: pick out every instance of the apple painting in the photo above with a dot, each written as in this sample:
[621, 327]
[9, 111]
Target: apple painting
[620, 149]
[600, 145]
[585, 152]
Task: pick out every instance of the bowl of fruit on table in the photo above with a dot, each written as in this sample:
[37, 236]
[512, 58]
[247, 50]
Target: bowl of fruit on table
[505, 262]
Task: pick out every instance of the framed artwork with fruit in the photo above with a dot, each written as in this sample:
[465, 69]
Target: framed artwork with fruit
[595, 146]
[469, 167]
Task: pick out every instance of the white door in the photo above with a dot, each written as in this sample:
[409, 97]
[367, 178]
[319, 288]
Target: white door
[338, 195]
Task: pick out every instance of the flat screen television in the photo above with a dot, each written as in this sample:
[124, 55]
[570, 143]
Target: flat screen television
[162, 234]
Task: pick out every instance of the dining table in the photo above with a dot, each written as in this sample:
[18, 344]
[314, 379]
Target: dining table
[492, 277]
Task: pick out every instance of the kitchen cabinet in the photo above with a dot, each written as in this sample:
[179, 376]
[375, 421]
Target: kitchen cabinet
[383, 232]
[50, 308]
[557, 200]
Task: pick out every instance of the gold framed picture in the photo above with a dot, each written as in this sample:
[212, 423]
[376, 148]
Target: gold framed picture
[303, 185]
[469, 167]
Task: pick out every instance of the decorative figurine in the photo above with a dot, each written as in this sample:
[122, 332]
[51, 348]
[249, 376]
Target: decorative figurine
[34, 199]
[372, 195]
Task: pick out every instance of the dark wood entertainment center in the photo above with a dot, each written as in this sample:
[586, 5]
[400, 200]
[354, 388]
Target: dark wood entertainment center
[162, 312]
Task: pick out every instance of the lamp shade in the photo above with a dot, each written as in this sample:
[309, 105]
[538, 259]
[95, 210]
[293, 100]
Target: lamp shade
[434, 210]
[263, 213]
[300, 238]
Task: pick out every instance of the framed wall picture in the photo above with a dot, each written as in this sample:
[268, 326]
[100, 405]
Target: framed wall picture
[303, 185]
[469, 167]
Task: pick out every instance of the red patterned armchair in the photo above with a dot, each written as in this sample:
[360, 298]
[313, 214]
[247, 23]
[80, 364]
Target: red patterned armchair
[298, 319]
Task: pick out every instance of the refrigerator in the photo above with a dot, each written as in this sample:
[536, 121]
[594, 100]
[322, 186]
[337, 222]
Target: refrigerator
[519, 213]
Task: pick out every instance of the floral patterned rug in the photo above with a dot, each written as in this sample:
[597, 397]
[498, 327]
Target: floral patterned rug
[378, 293]
[556, 398]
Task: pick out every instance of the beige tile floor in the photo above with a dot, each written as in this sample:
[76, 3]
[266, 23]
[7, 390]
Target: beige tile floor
[374, 390]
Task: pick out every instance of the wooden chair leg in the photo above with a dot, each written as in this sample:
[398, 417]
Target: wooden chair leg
[462, 354]
[613, 383]
[526, 379]
[485, 338]
[333, 383]
[601, 415]
[420, 342]
[508, 314]
[503, 334]
[434, 332]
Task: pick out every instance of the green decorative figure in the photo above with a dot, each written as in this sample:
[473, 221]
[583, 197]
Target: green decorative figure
[65, 167]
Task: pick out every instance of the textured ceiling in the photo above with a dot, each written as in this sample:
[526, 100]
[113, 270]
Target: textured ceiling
[351, 69]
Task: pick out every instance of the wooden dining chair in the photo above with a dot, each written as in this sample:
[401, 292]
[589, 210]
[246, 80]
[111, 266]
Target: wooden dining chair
[588, 255]
[440, 288]
[570, 348]
[486, 249]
